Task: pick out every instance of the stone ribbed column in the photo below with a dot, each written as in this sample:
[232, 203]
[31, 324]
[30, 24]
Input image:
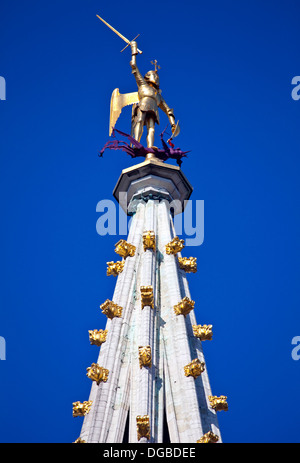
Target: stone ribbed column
[146, 324]
[177, 349]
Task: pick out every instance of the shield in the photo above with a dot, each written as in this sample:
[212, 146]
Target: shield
[117, 102]
[176, 130]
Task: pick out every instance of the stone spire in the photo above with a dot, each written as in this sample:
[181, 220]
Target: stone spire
[151, 364]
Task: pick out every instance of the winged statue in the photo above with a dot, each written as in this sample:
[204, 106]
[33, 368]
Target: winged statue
[146, 102]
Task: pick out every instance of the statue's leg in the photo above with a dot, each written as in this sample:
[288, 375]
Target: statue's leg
[139, 125]
[138, 131]
[150, 123]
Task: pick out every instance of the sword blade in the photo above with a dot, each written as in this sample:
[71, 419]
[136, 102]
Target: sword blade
[113, 29]
[116, 32]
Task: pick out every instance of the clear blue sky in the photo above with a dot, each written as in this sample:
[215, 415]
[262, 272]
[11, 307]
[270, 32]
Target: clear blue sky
[226, 69]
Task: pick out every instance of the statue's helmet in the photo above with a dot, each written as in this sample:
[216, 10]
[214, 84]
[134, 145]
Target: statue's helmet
[152, 77]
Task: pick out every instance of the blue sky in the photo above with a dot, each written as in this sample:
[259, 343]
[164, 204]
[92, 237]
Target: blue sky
[226, 69]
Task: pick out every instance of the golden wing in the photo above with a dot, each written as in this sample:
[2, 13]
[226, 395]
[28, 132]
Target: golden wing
[117, 102]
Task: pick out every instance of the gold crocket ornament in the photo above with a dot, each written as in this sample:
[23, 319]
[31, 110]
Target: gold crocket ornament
[97, 373]
[143, 426]
[81, 408]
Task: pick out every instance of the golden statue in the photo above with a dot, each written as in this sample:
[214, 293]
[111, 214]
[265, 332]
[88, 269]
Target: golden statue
[145, 111]
[146, 100]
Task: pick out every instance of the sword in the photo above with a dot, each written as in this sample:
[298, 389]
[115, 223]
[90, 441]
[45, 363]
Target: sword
[120, 35]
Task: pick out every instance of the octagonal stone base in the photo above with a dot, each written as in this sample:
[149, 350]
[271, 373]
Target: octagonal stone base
[152, 179]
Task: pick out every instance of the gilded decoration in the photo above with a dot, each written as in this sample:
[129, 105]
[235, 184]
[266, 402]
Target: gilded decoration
[143, 426]
[208, 438]
[218, 403]
[81, 408]
[124, 249]
[184, 306]
[188, 264]
[147, 298]
[97, 337]
[114, 268]
[149, 240]
[194, 368]
[146, 102]
[145, 357]
[97, 373]
[203, 332]
[174, 246]
[111, 309]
